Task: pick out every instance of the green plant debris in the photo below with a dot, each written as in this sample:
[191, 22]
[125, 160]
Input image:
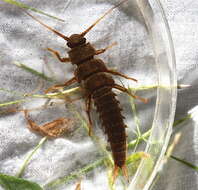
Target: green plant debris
[107, 159]
[173, 144]
[56, 95]
[27, 160]
[144, 136]
[30, 70]
[59, 95]
[140, 88]
[14, 183]
[150, 87]
[22, 5]
[137, 121]
[11, 92]
[75, 174]
[185, 162]
[149, 164]
[93, 137]
[177, 122]
[134, 159]
[132, 163]
[12, 102]
[170, 149]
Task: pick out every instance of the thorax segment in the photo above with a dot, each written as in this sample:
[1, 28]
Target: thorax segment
[81, 53]
[89, 67]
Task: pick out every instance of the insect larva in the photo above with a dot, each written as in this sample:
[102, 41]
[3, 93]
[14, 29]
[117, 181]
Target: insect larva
[95, 78]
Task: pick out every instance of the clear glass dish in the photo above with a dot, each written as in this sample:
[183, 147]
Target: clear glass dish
[144, 51]
[158, 28]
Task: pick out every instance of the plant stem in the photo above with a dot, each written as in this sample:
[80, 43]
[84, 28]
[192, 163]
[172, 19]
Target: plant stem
[12, 102]
[27, 160]
[185, 162]
[75, 174]
[25, 67]
[177, 122]
[21, 5]
[140, 139]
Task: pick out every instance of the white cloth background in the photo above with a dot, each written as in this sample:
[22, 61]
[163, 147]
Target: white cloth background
[14, 144]
[183, 18]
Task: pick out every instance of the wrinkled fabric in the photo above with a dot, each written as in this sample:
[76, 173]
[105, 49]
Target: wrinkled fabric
[183, 19]
[24, 40]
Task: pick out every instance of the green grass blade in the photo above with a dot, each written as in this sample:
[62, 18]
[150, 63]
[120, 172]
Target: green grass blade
[22, 5]
[185, 162]
[30, 70]
[150, 87]
[58, 95]
[11, 92]
[177, 122]
[145, 135]
[27, 160]
[134, 160]
[97, 163]
[172, 145]
[12, 102]
[14, 183]
[93, 165]
[137, 121]
[95, 138]
[75, 174]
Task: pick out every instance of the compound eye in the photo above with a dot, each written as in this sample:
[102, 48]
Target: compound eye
[83, 40]
[69, 44]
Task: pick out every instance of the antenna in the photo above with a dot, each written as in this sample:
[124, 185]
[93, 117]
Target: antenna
[98, 20]
[48, 27]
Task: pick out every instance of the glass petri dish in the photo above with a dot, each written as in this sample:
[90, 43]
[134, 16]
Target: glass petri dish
[158, 28]
[144, 51]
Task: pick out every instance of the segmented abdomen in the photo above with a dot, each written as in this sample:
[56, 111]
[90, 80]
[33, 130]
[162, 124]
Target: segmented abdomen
[112, 122]
[99, 84]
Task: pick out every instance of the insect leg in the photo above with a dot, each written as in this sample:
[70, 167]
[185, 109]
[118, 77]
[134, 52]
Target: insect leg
[121, 88]
[116, 170]
[88, 108]
[120, 74]
[65, 59]
[103, 50]
[115, 173]
[67, 83]
[124, 172]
